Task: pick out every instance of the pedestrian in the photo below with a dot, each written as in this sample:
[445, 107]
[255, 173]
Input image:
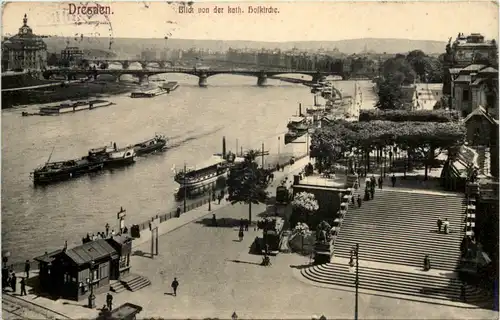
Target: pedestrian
[439, 224]
[359, 201]
[234, 316]
[427, 263]
[178, 213]
[393, 180]
[352, 199]
[107, 229]
[27, 268]
[373, 182]
[113, 232]
[219, 198]
[213, 196]
[240, 234]
[13, 282]
[23, 287]
[372, 192]
[214, 220]
[462, 292]
[109, 301]
[380, 181]
[175, 285]
[446, 226]
[246, 224]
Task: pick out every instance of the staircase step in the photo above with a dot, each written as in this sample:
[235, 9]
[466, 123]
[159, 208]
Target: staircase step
[399, 228]
[135, 282]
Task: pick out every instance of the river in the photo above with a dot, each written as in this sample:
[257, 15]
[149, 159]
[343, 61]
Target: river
[41, 219]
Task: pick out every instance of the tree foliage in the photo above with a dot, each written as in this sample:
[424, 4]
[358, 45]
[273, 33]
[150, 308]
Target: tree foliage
[247, 183]
[424, 138]
[409, 115]
[427, 68]
[52, 60]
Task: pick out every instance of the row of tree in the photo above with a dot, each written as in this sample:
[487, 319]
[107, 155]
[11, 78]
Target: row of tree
[409, 115]
[422, 140]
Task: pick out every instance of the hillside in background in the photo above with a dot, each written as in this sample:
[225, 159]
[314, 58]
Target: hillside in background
[129, 47]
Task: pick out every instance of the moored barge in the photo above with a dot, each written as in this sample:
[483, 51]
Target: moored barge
[68, 107]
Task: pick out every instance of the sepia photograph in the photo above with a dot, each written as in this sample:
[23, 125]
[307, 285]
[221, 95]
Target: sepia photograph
[250, 160]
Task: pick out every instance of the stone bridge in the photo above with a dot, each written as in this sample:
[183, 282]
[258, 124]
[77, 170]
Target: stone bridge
[126, 63]
[202, 74]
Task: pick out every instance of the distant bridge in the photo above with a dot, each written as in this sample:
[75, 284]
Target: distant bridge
[202, 74]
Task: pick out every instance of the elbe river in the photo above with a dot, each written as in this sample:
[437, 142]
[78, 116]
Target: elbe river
[35, 220]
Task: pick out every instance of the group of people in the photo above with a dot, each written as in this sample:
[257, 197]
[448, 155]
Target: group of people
[103, 235]
[9, 278]
[445, 225]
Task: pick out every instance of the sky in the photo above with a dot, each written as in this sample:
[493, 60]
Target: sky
[294, 21]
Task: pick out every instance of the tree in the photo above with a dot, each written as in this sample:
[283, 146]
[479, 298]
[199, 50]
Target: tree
[410, 115]
[52, 60]
[304, 205]
[247, 183]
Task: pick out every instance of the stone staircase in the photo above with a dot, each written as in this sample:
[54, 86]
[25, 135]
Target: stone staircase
[400, 228]
[418, 285]
[131, 282]
[395, 231]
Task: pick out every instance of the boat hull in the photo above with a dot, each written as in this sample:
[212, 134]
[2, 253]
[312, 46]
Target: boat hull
[119, 162]
[198, 183]
[160, 145]
[292, 136]
[45, 178]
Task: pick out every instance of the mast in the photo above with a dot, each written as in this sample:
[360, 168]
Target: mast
[50, 156]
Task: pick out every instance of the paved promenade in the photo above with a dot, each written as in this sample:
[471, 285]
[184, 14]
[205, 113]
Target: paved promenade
[218, 276]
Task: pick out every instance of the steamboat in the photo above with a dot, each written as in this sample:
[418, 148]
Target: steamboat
[149, 93]
[111, 156]
[207, 173]
[158, 143]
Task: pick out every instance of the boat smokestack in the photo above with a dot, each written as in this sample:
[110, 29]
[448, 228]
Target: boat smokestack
[315, 100]
[224, 147]
[300, 109]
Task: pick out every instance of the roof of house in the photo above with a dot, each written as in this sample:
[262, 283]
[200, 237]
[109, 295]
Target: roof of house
[480, 111]
[463, 78]
[90, 251]
[48, 257]
[474, 67]
[455, 70]
[488, 70]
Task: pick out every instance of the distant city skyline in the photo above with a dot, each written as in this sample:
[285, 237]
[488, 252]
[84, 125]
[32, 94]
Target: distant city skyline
[327, 21]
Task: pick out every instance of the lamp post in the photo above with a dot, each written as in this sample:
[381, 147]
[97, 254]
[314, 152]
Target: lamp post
[210, 198]
[90, 280]
[354, 267]
[279, 144]
[185, 188]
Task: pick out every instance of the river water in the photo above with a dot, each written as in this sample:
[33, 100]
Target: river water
[40, 219]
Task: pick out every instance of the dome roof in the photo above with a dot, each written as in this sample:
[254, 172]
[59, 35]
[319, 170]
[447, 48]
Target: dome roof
[25, 39]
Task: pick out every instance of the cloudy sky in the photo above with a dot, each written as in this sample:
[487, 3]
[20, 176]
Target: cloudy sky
[298, 21]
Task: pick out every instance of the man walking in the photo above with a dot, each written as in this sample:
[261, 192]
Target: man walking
[107, 229]
[109, 301]
[359, 201]
[380, 181]
[27, 268]
[23, 287]
[393, 180]
[175, 285]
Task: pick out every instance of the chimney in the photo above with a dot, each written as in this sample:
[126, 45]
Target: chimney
[300, 109]
[224, 147]
[65, 246]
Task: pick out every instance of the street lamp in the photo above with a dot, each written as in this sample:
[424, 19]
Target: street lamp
[279, 142]
[354, 267]
[210, 198]
[91, 301]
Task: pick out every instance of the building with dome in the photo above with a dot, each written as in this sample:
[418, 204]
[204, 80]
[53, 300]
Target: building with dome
[24, 50]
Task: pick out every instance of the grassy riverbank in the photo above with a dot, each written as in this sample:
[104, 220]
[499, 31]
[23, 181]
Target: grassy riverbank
[61, 93]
